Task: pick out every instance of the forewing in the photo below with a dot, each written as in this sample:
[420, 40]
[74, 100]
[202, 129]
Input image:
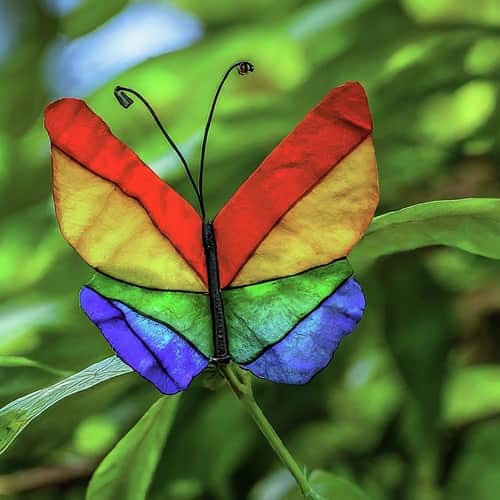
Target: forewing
[115, 211]
[309, 201]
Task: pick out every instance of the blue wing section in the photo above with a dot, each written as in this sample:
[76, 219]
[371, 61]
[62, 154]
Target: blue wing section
[152, 349]
[309, 347]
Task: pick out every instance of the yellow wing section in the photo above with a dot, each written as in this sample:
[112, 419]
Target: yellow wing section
[113, 232]
[323, 225]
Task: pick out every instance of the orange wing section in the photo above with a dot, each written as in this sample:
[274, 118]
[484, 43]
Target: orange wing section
[322, 226]
[113, 232]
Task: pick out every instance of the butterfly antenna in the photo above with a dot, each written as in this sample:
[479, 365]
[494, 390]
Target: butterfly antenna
[244, 67]
[121, 94]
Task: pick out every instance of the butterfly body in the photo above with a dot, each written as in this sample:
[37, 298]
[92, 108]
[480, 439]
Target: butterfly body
[219, 329]
[265, 284]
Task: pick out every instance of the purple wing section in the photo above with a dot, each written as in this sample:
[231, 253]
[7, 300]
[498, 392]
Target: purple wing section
[309, 347]
[152, 349]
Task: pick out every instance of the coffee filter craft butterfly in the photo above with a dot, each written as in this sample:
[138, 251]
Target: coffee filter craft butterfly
[265, 284]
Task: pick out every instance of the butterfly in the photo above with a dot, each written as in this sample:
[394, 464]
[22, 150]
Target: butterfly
[265, 284]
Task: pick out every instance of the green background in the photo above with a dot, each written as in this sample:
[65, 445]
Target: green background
[410, 407]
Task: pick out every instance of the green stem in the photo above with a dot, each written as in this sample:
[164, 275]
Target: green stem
[241, 384]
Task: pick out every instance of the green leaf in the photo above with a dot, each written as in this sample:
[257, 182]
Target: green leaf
[446, 118]
[474, 473]
[96, 435]
[15, 416]
[219, 425]
[470, 224]
[471, 394]
[330, 486]
[481, 12]
[128, 469]
[419, 333]
[231, 13]
[20, 361]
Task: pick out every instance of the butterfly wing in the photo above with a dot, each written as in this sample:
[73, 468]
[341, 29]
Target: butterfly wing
[115, 211]
[311, 343]
[290, 296]
[309, 201]
[149, 298]
[163, 335]
[287, 329]
[98, 181]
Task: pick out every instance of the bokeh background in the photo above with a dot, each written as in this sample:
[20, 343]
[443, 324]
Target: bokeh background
[410, 407]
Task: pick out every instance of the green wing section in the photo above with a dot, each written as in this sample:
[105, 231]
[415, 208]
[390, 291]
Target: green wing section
[261, 314]
[187, 313]
[257, 315]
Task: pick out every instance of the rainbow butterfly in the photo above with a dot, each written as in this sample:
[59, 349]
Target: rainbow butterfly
[265, 284]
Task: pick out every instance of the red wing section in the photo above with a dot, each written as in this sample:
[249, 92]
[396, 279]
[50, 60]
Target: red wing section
[81, 135]
[327, 135]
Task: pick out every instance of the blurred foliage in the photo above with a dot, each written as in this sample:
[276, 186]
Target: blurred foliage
[410, 407]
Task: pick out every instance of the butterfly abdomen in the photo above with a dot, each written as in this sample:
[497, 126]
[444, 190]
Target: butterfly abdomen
[219, 328]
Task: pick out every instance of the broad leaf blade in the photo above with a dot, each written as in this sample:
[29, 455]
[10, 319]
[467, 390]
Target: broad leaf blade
[419, 333]
[219, 421]
[15, 416]
[471, 224]
[126, 472]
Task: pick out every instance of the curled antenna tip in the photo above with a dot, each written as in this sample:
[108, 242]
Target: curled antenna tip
[245, 67]
[124, 100]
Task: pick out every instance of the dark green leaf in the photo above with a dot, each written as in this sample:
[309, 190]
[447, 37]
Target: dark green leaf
[128, 469]
[332, 487]
[475, 472]
[219, 437]
[418, 332]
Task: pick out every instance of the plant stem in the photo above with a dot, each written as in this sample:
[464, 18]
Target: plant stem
[241, 385]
